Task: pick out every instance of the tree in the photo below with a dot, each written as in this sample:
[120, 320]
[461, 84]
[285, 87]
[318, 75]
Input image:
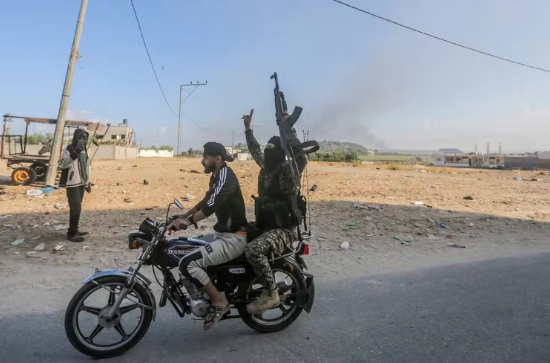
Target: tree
[184, 153]
[149, 148]
[37, 138]
[166, 147]
[191, 152]
[241, 146]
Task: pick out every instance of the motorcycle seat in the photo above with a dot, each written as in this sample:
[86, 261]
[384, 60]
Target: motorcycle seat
[241, 260]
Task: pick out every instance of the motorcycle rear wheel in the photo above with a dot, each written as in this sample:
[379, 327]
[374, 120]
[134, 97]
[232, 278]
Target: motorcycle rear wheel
[264, 325]
[77, 305]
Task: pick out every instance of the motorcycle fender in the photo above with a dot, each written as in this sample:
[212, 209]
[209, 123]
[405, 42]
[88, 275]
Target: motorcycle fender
[310, 285]
[140, 279]
[305, 298]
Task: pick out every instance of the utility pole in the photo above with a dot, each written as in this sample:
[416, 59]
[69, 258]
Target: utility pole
[233, 143]
[191, 84]
[60, 126]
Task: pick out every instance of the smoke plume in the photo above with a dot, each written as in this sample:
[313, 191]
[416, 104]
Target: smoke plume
[363, 98]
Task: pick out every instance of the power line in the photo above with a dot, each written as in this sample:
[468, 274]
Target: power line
[199, 126]
[439, 38]
[149, 56]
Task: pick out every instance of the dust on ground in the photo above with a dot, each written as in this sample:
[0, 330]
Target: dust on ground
[367, 206]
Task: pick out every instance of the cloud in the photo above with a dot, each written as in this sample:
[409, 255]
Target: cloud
[85, 115]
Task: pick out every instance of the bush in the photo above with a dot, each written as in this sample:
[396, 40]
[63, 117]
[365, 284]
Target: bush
[356, 164]
[184, 153]
[393, 166]
[339, 156]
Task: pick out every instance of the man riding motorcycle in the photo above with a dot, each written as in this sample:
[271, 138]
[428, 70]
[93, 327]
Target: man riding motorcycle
[225, 199]
[276, 211]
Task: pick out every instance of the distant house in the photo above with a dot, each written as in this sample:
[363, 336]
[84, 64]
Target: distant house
[120, 134]
[243, 156]
[457, 158]
[231, 151]
[451, 157]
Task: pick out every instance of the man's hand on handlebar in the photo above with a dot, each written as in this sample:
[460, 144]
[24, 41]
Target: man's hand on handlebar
[180, 224]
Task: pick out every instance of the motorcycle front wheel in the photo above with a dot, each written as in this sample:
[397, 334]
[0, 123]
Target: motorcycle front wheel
[88, 328]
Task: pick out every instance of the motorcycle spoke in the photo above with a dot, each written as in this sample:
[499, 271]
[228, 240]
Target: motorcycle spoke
[121, 331]
[285, 289]
[90, 309]
[96, 331]
[283, 309]
[127, 309]
[112, 298]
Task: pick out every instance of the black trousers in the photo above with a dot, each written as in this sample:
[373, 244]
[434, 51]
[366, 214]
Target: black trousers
[75, 196]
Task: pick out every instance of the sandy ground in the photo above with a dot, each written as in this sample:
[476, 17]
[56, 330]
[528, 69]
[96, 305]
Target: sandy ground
[368, 207]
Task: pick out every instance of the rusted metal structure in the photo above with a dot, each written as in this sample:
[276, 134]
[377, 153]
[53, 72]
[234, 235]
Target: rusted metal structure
[19, 159]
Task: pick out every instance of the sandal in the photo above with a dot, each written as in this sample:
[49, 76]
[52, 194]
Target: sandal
[215, 313]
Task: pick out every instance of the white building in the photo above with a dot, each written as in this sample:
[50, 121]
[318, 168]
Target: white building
[451, 157]
[241, 156]
[156, 154]
[458, 159]
[231, 150]
[493, 161]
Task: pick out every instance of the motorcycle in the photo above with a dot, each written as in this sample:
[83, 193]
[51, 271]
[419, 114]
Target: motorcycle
[120, 304]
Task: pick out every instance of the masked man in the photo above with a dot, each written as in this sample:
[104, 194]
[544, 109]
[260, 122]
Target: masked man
[75, 177]
[275, 207]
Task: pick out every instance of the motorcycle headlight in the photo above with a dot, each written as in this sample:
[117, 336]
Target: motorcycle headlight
[136, 239]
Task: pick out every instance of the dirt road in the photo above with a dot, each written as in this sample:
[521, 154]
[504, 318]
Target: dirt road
[369, 208]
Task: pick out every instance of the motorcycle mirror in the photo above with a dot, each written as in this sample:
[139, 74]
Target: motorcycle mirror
[178, 204]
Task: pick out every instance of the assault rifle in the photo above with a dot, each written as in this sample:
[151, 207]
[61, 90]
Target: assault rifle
[286, 123]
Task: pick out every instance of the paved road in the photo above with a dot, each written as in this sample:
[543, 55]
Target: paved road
[492, 311]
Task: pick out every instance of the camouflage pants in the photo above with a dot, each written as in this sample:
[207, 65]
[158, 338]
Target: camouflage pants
[259, 252]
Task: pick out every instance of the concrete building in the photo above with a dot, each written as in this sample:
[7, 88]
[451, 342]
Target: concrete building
[232, 151]
[121, 134]
[527, 162]
[242, 156]
[494, 161]
[458, 159]
[451, 157]
[105, 151]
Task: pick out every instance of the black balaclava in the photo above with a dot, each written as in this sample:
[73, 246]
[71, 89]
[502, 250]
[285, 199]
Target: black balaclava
[274, 156]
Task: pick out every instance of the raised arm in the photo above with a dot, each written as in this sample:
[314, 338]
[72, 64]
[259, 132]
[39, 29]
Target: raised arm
[251, 142]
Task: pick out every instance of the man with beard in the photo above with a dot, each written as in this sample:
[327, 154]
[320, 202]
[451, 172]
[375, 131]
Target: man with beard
[225, 199]
[75, 177]
[278, 192]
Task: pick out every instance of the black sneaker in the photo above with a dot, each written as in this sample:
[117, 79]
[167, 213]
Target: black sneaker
[75, 238]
